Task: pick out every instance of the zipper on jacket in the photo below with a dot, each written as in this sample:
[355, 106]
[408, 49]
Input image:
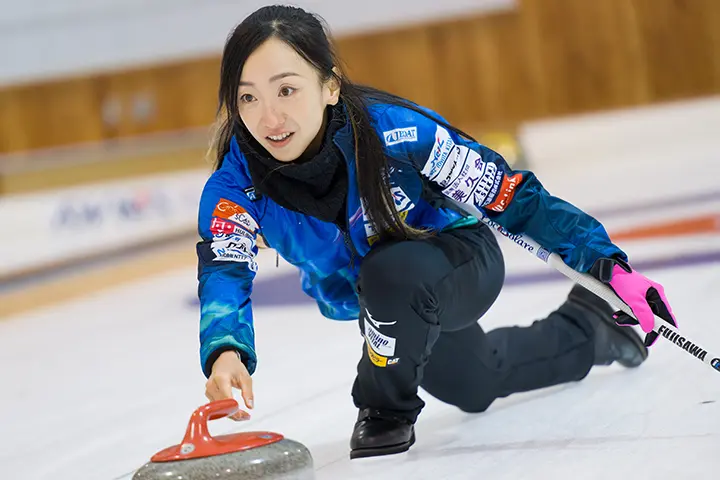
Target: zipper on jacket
[349, 244]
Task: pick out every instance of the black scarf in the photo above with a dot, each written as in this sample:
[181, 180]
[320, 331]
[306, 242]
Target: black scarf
[315, 187]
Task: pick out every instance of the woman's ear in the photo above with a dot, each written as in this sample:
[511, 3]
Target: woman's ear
[333, 85]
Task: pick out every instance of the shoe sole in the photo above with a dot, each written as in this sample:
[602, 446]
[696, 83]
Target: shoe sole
[380, 451]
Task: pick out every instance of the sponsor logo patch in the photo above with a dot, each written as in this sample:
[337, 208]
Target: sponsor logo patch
[228, 210]
[543, 254]
[251, 194]
[475, 181]
[381, 344]
[487, 180]
[403, 204]
[234, 248]
[442, 149]
[400, 135]
[377, 360]
[506, 193]
[220, 228]
[377, 323]
[518, 238]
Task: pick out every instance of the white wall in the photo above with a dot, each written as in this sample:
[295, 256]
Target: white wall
[637, 145]
[57, 226]
[42, 38]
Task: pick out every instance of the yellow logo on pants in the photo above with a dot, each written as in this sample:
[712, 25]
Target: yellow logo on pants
[377, 360]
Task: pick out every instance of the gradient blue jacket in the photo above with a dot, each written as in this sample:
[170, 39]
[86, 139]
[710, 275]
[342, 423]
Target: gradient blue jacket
[429, 166]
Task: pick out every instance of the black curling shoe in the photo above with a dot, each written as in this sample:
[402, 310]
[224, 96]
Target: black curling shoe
[613, 343]
[377, 433]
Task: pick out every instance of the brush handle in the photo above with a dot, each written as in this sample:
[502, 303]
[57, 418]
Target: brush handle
[663, 328]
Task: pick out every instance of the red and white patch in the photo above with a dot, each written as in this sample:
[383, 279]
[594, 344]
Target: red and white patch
[228, 210]
[221, 228]
[506, 193]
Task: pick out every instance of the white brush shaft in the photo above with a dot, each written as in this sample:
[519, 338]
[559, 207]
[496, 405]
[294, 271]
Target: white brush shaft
[663, 328]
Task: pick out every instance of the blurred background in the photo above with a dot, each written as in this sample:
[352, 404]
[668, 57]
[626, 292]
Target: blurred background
[105, 110]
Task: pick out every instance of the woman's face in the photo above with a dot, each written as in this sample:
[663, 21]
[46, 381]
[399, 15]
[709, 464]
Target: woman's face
[282, 100]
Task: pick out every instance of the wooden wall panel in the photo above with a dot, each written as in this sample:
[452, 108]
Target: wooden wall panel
[400, 62]
[677, 46]
[122, 110]
[586, 54]
[46, 115]
[195, 91]
[165, 98]
[67, 109]
[711, 24]
[13, 130]
[484, 71]
[547, 58]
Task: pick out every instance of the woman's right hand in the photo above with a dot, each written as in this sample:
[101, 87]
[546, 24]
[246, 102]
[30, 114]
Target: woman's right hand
[229, 371]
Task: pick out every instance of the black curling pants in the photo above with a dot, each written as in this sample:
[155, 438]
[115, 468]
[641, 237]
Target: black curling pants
[420, 302]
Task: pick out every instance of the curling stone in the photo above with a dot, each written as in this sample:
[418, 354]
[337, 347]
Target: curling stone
[246, 456]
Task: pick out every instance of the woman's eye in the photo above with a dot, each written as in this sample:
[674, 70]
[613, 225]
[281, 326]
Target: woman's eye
[286, 91]
[246, 98]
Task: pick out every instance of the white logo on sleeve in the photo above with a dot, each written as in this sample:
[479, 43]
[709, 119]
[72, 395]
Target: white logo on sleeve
[436, 162]
[400, 135]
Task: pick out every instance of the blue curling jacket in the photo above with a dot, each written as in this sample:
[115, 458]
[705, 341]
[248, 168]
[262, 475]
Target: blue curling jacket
[428, 165]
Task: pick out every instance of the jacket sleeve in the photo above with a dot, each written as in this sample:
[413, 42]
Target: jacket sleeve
[228, 227]
[475, 175]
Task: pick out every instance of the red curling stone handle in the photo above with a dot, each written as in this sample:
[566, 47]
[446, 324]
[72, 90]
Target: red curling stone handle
[198, 442]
